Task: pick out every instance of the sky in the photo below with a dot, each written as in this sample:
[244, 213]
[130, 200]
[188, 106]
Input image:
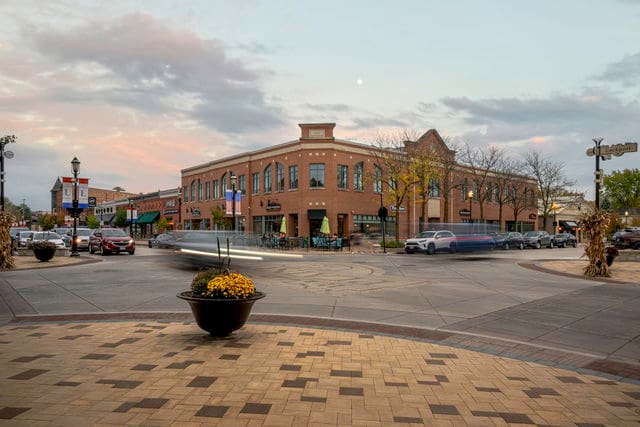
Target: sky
[138, 90]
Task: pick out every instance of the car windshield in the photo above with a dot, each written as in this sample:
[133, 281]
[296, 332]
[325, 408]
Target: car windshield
[24, 234]
[114, 233]
[426, 234]
[502, 235]
[531, 233]
[46, 235]
[83, 232]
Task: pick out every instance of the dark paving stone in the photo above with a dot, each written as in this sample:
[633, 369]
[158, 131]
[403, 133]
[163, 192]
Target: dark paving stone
[514, 418]
[615, 368]
[189, 348]
[37, 334]
[307, 334]
[429, 382]
[79, 327]
[442, 378]
[120, 383]
[605, 382]
[282, 331]
[143, 367]
[17, 328]
[351, 391]
[74, 337]
[229, 357]
[367, 336]
[67, 384]
[408, 420]
[183, 365]
[537, 392]
[621, 404]
[633, 394]
[270, 333]
[313, 399]
[121, 342]
[488, 389]
[444, 410]
[27, 359]
[338, 342]
[392, 384]
[202, 382]
[97, 356]
[342, 373]
[443, 355]
[212, 411]
[237, 345]
[125, 407]
[256, 408]
[435, 362]
[518, 379]
[9, 412]
[170, 354]
[295, 368]
[286, 343]
[151, 403]
[143, 331]
[485, 414]
[27, 375]
[570, 380]
[297, 383]
[310, 353]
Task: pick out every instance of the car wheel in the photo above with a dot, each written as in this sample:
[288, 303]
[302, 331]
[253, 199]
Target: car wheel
[637, 246]
[538, 245]
[431, 249]
[575, 244]
[90, 249]
[551, 245]
[150, 245]
[521, 246]
[132, 252]
[452, 248]
[409, 252]
[101, 251]
[506, 246]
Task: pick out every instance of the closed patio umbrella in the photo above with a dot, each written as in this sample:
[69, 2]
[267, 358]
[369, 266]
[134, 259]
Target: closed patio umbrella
[283, 225]
[324, 228]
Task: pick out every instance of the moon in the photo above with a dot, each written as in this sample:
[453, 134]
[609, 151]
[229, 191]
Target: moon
[359, 82]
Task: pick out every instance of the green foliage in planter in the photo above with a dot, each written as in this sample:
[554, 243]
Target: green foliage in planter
[43, 244]
[393, 244]
[200, 281]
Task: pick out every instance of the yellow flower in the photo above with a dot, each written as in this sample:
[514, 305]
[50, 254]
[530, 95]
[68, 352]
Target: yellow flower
[230, 285]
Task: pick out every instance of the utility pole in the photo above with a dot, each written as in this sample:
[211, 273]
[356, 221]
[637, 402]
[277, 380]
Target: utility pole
[7, 139]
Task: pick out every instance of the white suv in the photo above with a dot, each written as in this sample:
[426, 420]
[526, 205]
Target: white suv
[431, 241]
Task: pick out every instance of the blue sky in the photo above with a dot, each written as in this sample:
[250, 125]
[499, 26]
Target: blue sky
[138, 90]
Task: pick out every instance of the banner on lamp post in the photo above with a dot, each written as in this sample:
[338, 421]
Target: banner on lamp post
[229, 202]
[67, 192]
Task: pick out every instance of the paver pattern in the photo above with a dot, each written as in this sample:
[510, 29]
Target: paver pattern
[157, 373]
[623, 271]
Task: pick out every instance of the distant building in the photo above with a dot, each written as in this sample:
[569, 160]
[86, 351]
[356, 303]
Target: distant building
[318, 175]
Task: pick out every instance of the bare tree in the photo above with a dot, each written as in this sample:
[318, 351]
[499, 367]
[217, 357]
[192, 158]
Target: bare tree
[552, 182]
[520, 197]
[504, 182]
[483, 163]
[423, 160]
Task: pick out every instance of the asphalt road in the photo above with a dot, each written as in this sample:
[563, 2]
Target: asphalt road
[487, 294]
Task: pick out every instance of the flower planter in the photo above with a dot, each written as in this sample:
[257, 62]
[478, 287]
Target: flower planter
[220, 317]
[44, 254]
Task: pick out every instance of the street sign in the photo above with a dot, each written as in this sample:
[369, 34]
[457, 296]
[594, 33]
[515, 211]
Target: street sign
[616, 149]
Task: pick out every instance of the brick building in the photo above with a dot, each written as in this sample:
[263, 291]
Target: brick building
[316, 175]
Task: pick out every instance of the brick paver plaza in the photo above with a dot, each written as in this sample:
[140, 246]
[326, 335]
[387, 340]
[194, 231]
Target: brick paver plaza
[171, 373]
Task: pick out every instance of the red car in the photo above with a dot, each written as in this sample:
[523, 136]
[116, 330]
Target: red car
[111, 240]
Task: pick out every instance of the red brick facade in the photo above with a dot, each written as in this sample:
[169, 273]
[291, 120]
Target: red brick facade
[349, 210]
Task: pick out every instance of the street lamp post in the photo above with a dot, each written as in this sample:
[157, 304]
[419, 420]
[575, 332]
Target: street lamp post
[470, 197]
[233, 179]
[8, 139]
[75, 167]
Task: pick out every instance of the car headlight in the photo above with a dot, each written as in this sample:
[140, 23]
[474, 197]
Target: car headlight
[130, 241]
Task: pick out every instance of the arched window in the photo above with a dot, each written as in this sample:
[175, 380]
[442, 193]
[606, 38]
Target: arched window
[223, 185]
[200, 198]
[267, 179]
[279, 177]
[192, 196]
[358, 174]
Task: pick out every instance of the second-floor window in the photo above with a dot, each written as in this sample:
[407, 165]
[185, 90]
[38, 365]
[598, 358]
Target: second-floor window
[343, 176]
[216, 189]
[255, 183]
[242, 184]
[267, 179]
[207, 190]
[377, 180]
[316, 175]
[185, 193]
[192, 197]
[279, 177]
[200, 191]
[293, 177]
[434, 188]
[358, 174]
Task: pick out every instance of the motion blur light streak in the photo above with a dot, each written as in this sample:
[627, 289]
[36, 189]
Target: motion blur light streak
[242, 251]
[191, 251]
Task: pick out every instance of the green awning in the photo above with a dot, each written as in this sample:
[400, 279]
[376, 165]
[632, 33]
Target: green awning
[148, 217]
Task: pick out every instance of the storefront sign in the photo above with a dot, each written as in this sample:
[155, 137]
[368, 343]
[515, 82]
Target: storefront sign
[170, 203]
[170, 211]
[195, 212]
[273, 206]
[464, 212]
[532, 216]
[393, 208]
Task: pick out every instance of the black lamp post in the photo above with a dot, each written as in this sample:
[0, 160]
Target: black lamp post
[233, 201]
[470, 197]
[75, 167]
[8, 139]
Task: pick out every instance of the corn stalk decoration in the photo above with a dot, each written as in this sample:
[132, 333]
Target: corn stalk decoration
[595, 224]
[6, 255]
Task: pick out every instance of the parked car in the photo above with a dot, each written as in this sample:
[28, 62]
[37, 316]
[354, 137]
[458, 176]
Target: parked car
[431, 241]
[65, 234]
[509, 240]
[629, 240]
[23, 238]
[82, 238]
[47, 236]
[563, 240]
[164, 240]
[538, 239]
[14, 233]
[111, 240]
[475, 242]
